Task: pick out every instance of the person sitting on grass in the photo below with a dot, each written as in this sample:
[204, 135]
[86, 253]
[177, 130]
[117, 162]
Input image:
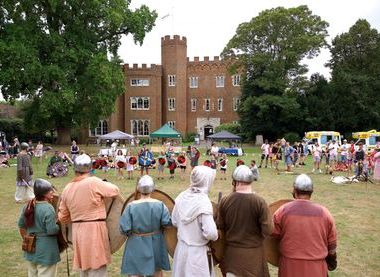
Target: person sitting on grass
[53, 160]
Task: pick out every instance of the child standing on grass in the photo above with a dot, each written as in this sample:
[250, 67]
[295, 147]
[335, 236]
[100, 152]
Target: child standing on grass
[172, 165]
[130, 167]
[213, 161]
[223, 166]
[182, 162]
[120, 163]
[161, 165]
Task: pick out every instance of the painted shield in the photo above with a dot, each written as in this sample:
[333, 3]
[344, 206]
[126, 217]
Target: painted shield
[114, 208]
[271, 244]
[170, 233]
[217, 247]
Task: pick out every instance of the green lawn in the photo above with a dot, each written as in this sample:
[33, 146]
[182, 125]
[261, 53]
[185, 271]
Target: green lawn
[355, 208]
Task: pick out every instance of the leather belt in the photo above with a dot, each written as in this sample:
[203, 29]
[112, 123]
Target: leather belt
[146, 234]
[94, 220]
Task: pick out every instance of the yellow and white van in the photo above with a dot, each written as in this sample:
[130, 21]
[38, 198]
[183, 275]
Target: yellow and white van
[369, 139]
[322, 137]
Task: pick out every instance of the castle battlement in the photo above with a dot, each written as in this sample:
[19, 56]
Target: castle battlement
[144, 66]
[206, 60]
[175, 40]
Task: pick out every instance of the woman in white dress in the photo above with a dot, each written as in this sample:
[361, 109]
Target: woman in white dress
[193, 216]
[39, 151]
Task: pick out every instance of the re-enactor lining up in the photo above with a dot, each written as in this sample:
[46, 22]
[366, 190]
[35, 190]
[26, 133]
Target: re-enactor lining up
[241, 222]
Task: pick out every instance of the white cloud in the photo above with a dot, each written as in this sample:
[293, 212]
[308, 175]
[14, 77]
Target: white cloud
[208, 25]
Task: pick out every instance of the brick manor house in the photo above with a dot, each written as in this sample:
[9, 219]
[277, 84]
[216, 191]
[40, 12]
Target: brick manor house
[193, 96]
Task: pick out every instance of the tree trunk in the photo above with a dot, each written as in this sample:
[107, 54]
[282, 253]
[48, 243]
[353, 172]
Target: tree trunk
[63, 136]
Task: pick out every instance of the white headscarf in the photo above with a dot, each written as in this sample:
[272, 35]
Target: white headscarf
[194, 201]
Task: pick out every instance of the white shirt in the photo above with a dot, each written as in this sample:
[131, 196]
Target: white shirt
[265, 149]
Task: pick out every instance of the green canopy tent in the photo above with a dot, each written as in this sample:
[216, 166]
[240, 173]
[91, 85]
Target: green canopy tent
[166, 132]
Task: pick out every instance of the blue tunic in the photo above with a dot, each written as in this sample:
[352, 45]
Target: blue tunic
[144, 254]
[46, 229]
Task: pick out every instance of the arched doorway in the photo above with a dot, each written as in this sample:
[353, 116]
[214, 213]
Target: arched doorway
[208, 130]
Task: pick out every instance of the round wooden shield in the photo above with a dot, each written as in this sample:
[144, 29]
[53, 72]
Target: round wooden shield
[271, 244]
[217, 246]
[114, 208]
[170, 233]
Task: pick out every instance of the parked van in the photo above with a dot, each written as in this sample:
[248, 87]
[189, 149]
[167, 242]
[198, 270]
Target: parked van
[369, 139]
[322, 137]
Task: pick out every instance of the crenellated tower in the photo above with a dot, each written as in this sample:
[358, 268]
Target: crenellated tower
[174, 81]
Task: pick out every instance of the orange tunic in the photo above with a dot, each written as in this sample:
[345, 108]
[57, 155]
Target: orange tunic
[82, 200]
[307, 233]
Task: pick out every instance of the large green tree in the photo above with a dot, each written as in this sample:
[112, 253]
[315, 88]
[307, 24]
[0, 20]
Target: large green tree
[355, 64]
[62, 57]
[269, 49]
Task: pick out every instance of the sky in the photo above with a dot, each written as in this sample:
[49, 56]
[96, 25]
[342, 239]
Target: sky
[210, 24]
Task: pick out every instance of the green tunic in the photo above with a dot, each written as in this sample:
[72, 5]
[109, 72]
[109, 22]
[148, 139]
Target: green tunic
[143, 255]
[46, 229]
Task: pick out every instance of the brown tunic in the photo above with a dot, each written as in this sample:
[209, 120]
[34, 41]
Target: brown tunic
[24, 168]
[246, 222]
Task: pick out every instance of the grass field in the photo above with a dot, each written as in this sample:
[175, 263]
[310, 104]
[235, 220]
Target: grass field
[355, 208]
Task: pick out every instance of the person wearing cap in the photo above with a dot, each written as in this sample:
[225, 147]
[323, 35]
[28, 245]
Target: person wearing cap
[307, 234]
[24, 182]
[145, 252]
[82, 204]
[244, 218]
[193, 217]
[39, 217]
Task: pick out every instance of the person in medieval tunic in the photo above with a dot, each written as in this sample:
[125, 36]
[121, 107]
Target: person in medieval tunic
[24, 183]
[39, 217]
[307, 234]
[244, 218]
[82, 204]
[193, 216]
[142, 221]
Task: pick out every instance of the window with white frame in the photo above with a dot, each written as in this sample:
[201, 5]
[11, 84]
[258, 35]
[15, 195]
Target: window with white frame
[139, 82]
[171, 104]
[235, 122]
[101, 129]
[236, 80]
[171, 80]
[193, 104]
[220, 104]
[207, 104]
[235, 103]
[219, 81]
[140, 103]
[140, 128]
[193, 82]
[171, 124]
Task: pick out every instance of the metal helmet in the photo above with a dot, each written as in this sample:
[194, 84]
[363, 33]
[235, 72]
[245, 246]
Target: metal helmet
[303, 183]
[24, 146]
[145, 184]
[243, 174]
[83, 164]
[41, 187]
